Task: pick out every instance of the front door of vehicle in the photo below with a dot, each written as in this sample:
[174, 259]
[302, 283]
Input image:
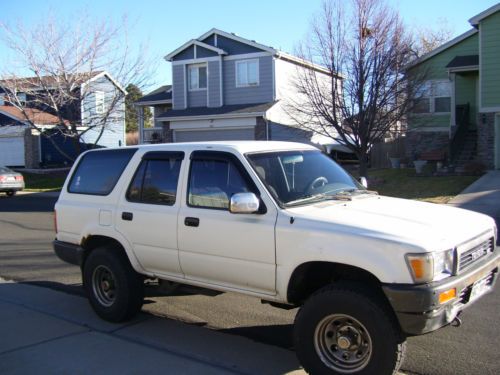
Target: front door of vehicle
[216, 246]
[147, 214]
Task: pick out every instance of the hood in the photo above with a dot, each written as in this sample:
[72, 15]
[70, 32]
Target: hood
[427, 226]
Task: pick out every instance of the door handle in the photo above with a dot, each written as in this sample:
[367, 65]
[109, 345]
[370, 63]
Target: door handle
[191, 222]
[128, 216]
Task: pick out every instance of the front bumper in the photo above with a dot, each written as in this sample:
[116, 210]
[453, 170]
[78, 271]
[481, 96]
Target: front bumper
[418, 308]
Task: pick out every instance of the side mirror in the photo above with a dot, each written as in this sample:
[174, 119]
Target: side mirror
[364, 182]
[244, 203]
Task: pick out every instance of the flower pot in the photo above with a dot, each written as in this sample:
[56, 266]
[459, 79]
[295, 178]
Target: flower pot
[395, 163]
[419, 165]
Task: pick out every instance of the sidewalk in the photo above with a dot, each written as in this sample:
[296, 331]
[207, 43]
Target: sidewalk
[482, 196]
[51, 332]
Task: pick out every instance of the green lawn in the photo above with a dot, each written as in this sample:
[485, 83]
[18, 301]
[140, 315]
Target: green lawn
[404, 183]
[44, 182]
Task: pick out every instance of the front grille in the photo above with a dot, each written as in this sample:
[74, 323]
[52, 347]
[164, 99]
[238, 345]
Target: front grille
[469, 257]
[465, 294]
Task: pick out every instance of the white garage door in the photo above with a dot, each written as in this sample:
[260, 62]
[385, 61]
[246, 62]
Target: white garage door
[12, 151]
[214, 135]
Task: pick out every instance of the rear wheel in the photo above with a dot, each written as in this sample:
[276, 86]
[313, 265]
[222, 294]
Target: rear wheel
[10, 193]
[114, 289]
[344, 330]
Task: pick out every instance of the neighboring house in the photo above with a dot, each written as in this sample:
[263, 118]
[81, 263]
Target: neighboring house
[160, 100]
[225, 87]
[23, 146]
[458, 110]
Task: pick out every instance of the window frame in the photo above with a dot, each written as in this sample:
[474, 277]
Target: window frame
[246, 61]
[431, 97]
[200, 155]
[197, 67]
[156, 155]
[100, 102]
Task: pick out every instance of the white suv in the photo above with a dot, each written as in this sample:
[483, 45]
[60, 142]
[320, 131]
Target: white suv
[281, 222]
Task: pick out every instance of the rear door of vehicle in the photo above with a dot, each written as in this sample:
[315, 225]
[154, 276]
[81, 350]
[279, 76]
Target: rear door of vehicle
[147, 213]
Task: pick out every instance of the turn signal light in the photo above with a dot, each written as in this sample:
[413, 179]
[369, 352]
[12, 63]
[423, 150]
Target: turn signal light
[447, 295]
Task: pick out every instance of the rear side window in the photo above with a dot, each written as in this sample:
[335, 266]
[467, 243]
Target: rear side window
[98, 171]
[155, 181]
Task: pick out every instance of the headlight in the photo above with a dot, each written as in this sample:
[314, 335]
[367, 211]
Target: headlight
[430, 266]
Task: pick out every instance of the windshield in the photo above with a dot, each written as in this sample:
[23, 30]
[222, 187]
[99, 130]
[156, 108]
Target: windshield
[297, 177]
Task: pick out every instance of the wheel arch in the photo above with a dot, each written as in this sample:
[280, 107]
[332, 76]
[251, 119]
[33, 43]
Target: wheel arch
[309, 277]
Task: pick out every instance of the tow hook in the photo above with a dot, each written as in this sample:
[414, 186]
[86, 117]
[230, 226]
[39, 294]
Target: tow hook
[457, 322]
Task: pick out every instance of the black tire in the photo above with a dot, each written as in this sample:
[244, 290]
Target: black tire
[345, 320]
[10, 193]
[114, 289]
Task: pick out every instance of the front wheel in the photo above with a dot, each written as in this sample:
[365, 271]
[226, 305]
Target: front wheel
[114, 289]
[345, 330]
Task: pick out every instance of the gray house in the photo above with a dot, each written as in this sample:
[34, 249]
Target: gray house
[225, 87]
[99, 115]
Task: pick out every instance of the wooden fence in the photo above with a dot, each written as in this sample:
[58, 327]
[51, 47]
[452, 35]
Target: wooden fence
[381, 152]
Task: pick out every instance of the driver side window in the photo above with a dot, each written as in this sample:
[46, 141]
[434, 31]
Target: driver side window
[212, 182]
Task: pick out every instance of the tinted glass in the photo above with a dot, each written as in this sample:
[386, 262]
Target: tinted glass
[155, 182]
[213, 182]
[422, 105]
[99, 171]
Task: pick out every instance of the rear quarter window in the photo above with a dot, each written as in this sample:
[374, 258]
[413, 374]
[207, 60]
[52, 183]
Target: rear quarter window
[98, 171]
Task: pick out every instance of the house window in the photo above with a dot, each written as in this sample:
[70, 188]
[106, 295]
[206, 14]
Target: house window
[247, 73]
[21, 97]
[197, 77]
[99, 102]
[433, 97]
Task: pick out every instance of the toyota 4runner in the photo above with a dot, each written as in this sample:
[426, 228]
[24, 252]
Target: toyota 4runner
[281, 222]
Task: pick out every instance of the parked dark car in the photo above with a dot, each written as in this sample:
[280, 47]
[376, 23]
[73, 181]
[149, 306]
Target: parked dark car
[10, 181]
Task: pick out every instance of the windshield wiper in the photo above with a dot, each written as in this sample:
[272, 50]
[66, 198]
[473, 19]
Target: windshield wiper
[319, 197]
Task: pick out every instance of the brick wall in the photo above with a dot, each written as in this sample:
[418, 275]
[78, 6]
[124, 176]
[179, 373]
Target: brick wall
[261, 129]
[418, 142]
[31, 149]
[486, 139]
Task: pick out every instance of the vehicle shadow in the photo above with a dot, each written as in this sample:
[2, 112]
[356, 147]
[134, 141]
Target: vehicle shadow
[32, 202]
[237, 350]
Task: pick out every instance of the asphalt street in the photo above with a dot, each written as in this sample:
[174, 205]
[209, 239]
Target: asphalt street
[26, 232]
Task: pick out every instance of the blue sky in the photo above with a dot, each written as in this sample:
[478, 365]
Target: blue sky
[165, 25]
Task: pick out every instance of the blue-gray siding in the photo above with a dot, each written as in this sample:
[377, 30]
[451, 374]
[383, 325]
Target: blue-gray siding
[178, 85]
[255, 94]
[113, 134]
[187, 54]
[232, 47]
[197, 98]
[280, 132]
[213, 84]
[203, 52]
[210, 40]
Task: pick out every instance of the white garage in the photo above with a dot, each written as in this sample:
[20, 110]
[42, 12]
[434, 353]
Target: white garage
[214, 135]
[12, 146]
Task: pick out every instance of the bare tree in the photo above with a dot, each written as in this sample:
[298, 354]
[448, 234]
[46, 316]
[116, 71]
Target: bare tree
[428, 39]
[366, 93]
[55, 67]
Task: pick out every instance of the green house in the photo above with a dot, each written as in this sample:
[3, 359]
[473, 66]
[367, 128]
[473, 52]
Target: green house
[458, 110]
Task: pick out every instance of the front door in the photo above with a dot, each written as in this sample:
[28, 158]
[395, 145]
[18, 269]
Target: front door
[216, 246]
[147, 214]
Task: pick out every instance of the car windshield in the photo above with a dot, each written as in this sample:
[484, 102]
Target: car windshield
[299, 177]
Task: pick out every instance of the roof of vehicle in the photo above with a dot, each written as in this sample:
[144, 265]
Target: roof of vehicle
[239, 146]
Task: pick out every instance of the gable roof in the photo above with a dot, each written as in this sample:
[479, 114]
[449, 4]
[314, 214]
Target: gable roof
[278, 54]
[36, 116]
[162, 94]
[441, 48]
[34, 83]
[474, 21]
[194, 42]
